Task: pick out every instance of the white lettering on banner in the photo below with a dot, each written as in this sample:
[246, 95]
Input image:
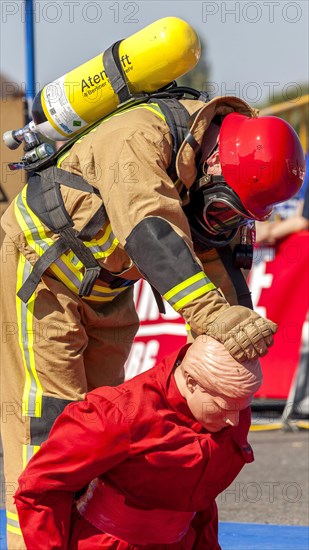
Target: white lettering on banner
[143, 357]
[174, 329]
[259, 279]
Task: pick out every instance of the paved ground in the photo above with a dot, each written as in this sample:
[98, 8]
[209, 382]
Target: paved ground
[274, 489]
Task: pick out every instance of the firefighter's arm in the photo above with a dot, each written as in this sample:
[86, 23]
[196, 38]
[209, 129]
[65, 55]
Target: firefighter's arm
[164, 259]
[146, 215]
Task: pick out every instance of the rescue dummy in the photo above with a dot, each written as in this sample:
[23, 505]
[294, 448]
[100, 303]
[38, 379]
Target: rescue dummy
[162, 447]
[154, 191]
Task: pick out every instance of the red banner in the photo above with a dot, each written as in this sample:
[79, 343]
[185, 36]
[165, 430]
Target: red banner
[280, 291]
[158, 335]
[279, 285]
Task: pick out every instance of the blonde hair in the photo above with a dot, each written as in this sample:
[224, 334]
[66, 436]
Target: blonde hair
[211, 365]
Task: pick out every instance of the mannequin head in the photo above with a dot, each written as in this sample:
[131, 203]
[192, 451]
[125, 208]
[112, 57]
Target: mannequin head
[215, 385]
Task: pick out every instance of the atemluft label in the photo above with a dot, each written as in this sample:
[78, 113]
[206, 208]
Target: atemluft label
[57, 97]
[96, 81]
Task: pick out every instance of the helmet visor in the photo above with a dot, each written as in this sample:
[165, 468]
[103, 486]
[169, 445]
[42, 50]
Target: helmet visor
[221, 216]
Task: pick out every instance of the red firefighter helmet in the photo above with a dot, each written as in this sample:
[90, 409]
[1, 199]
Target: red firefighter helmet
[262, 160]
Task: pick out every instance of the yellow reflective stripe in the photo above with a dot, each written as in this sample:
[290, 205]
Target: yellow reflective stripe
[193, 295]
[153, 107]
[19, 282]
[13, 529]
[73, 259]
[108, 290]
[184, 284]
[100, 298]
[12, 515]
[12, 523]
[26, 230]
[36, 244]
[68, 268]
[102, 240]
[28, 452]
[62, 158]
[68, 257]
[32, 394]
[64, 278]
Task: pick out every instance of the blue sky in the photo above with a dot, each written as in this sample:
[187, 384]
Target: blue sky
[253, 47]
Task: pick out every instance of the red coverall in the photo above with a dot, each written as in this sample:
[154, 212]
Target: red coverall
[141, 439]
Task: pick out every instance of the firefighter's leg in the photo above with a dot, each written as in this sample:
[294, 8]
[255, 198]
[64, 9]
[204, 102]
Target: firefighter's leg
[42, 370]
[111, 329]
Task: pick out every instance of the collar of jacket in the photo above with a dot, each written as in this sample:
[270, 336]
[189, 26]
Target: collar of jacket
[173, 396]
[222, 106]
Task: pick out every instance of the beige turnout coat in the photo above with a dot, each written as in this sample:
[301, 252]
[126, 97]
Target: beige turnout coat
[58, 346]
[126, 157]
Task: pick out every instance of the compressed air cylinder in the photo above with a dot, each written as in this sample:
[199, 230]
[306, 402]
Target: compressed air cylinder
[151, 59]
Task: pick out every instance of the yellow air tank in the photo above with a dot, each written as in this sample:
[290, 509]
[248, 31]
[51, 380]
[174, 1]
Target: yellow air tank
[151, 59]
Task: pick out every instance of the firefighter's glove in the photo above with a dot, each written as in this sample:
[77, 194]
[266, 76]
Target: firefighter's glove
[243, 332]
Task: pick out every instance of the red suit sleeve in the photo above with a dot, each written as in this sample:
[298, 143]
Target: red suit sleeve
[86, 440]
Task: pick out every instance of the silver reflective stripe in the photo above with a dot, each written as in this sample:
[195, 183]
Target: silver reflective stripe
[31, 226]
[12, 522]
[72, 276]
[68, 272]
[98, 249]
[30, 451]
[188, 290]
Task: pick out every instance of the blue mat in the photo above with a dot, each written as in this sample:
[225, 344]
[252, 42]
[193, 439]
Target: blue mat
[253, 536]
[240, 536]
[2, 530]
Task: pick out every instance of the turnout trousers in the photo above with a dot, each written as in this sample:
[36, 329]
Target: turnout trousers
[55, 348]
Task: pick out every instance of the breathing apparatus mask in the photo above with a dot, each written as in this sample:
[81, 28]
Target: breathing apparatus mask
[215, 214]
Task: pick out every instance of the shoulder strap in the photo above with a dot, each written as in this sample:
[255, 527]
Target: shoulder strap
[115, 73]
[177, 118]
[45, 199]
[240, 284]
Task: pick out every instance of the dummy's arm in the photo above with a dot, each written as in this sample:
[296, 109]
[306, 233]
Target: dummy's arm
[85, 441]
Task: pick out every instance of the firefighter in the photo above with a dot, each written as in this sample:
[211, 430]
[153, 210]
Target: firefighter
[126, 202]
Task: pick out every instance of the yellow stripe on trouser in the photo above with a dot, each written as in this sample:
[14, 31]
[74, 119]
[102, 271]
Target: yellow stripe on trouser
[188, 290]
[32, 396]
[28, 452]
[12, 523]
